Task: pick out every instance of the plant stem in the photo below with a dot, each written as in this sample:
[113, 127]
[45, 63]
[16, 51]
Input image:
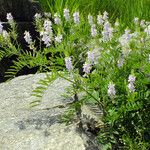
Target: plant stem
[78, 113]
[103, 108]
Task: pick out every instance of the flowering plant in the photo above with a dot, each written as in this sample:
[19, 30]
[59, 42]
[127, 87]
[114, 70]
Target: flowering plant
[111, 68]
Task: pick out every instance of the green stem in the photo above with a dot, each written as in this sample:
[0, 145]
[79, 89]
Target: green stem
[78, 113]
[85, 91]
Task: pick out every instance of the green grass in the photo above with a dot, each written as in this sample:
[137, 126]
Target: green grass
[125, 10]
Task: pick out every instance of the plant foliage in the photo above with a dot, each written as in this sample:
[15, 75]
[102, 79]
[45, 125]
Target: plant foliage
[110, 67]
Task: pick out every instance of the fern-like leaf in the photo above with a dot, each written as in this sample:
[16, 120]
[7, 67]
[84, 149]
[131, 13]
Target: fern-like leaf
[26, 59]
[43, 85]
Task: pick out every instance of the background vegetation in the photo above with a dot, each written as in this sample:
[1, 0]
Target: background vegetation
[125, 10]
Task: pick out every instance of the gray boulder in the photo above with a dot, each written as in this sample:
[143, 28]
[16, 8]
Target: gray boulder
[39, 128]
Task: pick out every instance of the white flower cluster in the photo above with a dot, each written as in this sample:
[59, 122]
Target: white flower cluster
[47, 34]
[46, 39]
[76, 17]
[3, 32]
[107, 32]
[116, 23]
[105, 16]
[93, 30]
[68, 63]
[87, 68]
[67, 14]
[27, 37]
[47, 14]
[58, 38]
[93, 26]
[37, 16]
[57, 19]
[125, 38]
[93, 56]
[10, 18]
[111, 90]
[100, 20]
[90, 19]
[48, 26]
[131, 80]
[147, 30]
[143, 24]
[136, 20]
[120, 62]
[1, 28]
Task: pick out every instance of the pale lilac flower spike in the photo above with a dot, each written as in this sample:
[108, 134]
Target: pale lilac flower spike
[1, 28]
[131, 80]
[87, 67]
[147, 30]
[37, 16]
[105, 15]
[90, 19]
[93, 56]
[131, 87]
[48, 26]
[142, 23]
[68, 63]
[93, 30]
[107, 32]
[76, 17]
[10, 17]
[124, 40]
[111, 90]
[116, 24]
[47, 14]
[46, 39]
[47, 33]
[100, 20]
[120, 62]
[27, 37]
[136, 20]
[66, 14]
[5, 34]
[58, 38]
[57, 19]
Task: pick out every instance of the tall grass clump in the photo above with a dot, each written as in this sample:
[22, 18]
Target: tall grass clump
[125, 10]
[109, 69]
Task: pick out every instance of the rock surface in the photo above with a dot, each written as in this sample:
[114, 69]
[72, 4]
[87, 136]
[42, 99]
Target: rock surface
[23, 128]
